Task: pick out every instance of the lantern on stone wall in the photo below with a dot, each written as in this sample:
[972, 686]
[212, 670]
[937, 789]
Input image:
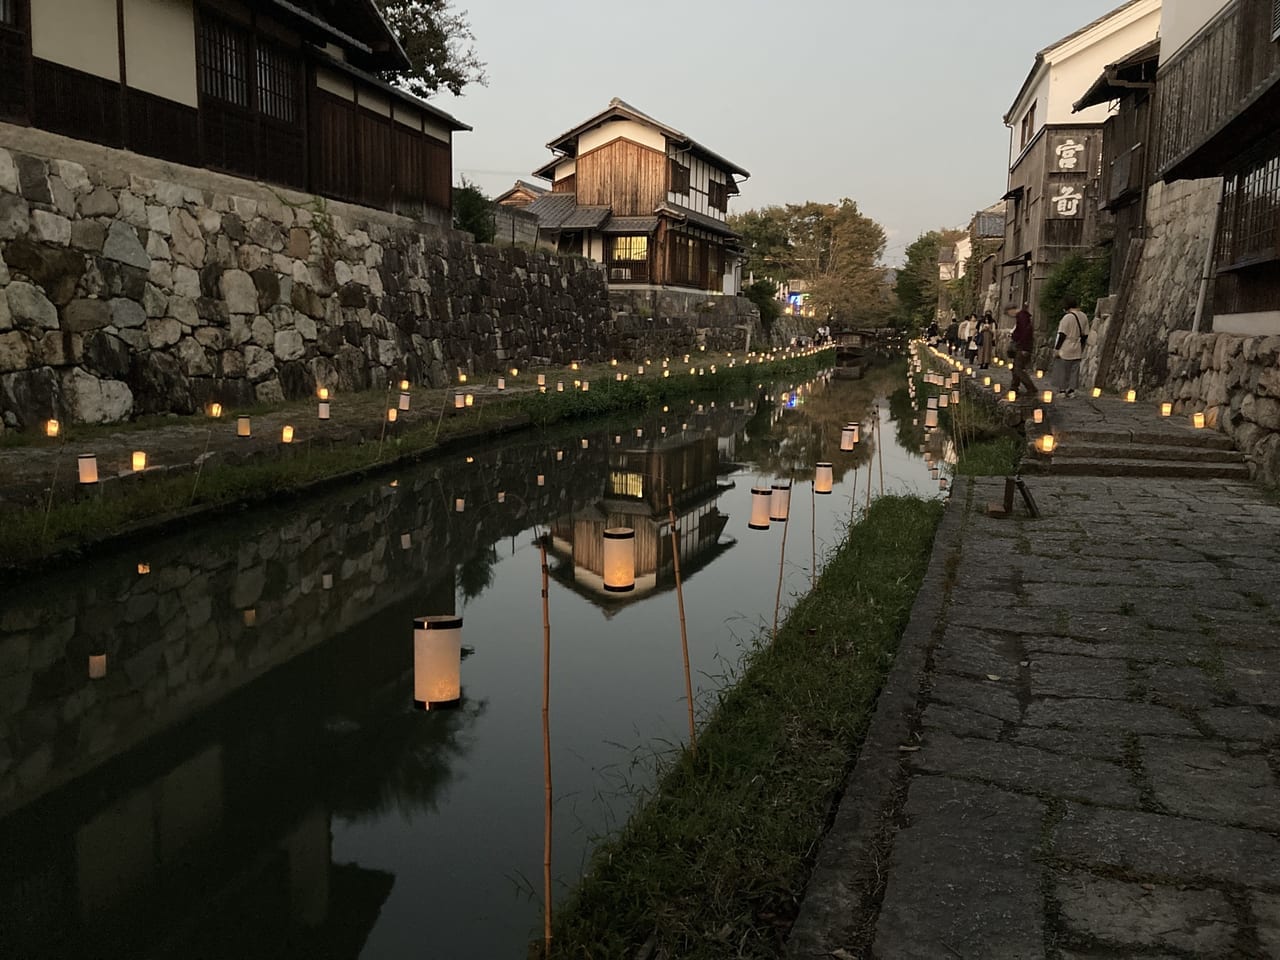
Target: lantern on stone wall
[97, 666]
[88, 468]
[824, 478]
[139, 461]
[244, 428]
[761, 499]
[437, 662]
[286, 434]
[459, 401]
[51, 428]
[1166, 409]
[780, 502]
[1197, 421]
[620, 559]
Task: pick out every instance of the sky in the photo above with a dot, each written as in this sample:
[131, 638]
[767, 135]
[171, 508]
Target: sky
[896, 104]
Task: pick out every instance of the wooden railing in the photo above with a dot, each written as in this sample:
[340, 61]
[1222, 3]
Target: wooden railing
[628, 271]
[1213, 77]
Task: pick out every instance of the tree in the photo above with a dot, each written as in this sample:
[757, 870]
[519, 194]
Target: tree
[763, 293]
[473, 211]
[919, 288]
[439, 43]
[1086, 278]
[764, 235]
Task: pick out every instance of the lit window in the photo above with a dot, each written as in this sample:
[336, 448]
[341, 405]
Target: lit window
[629, 248]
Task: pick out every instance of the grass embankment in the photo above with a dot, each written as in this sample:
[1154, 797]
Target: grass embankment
[987, 444]
[28, 536]
[715, 862]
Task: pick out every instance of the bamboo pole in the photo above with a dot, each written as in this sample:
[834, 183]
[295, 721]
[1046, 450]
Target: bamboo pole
[684, 635]
[200, 466]
[782, 558]
[868, 485]
[546, 750]
[813, 533]
[880, 450]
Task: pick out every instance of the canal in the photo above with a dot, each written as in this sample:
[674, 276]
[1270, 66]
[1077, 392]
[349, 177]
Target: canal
[208, 741]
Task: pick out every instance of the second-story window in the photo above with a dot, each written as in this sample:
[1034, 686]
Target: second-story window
[1028, 126]
[679, 177]
[718, 196]
[224, 61]
[277, 83]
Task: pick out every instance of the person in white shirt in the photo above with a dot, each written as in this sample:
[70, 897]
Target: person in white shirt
[1073, 334]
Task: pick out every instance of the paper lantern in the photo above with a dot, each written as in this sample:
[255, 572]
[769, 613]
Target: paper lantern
[761, 499]
[459, 505]
[1039, 374]
[944, 400]
[462, 378]
[1197, 421]
[468, 400]
[139, 461]
[955, 396]
[51, 428]
[250, 617]
[542, 379]
[215, 410]
[326, 581]
[392, 413]
[1011, 396]
[515, 372]
[322, 393]
[1047, 443]
[847, 439]
[620, 559]
[459, 401]
[574, 365]
[406, 541]
[1047, 396]
[437, 662]
[97, 666]
[502, 496]
[1130, 396]
[1097, 392]
[404, 401]
[613, 362]
[1037, 415]
[639, 431]
[640, 371]
[244, 427]
[286, 434]
[780, 503]
[824, 479]
[559, 455]
[997, 389]
[502, 384]
[88, 466]
[542, 480]
[1166, 409]
[986, 381]
[931, 403]
[930, 419]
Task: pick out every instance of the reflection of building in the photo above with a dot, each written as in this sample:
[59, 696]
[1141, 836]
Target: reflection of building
[635, 495]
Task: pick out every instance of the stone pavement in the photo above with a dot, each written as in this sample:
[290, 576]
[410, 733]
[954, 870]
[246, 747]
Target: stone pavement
[1077, 754]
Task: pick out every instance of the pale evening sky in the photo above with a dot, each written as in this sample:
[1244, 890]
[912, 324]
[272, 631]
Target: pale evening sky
[894, 103]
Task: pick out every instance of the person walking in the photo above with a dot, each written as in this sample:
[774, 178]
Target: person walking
[969, 337]
[1073, 334]
[953, 336]
[986, 341]
[1023, 340]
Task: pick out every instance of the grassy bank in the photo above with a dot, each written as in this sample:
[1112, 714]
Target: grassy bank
[714, 863]
[30, 536]
[987, 443]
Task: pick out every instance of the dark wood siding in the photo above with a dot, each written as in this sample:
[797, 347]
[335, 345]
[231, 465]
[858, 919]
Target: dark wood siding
[15, 62]
[624, 175]
[567, 184]
[163, 128]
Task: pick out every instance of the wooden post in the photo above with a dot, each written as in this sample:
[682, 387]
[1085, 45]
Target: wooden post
[782, 558]
[684, 635]
[813, 533]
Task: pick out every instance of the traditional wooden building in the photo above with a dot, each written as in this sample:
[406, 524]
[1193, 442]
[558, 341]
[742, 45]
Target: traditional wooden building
[286, 91]
[1218, 115]
[645, 199]
[521, 194]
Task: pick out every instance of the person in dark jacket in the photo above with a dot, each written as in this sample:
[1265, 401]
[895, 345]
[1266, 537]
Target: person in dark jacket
[953, 336]
[1023, 339]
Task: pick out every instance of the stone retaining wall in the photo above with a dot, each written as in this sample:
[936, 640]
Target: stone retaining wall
[1236, 382]
[131, 286]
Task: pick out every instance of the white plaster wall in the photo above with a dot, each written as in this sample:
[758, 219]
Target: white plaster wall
[701, 174]
[1263, 324]
[1181, 19]
[160, 48]
[77, 33]
[375, 102]
[608, 132]
[566, 168]
[964, 251]
[335, 83]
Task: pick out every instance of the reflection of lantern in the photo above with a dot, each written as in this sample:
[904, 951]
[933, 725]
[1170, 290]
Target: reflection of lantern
[139, 460]
[1197, 421]
[1166, 409]
[930, 419]
[244, 427]
[437, 662]
[780, 502]
[404, 401]
[459, 505]
[51, 428]
[824, 479]
[286, 434]
[761, 499]
[88, 465]
[1047, 443]
[619, 559]
[97, 666]
[846, 439]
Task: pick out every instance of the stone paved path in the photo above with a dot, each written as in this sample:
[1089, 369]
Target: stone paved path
[1078, 753]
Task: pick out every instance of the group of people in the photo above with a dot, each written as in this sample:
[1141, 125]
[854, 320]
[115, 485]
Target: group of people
[975, 340]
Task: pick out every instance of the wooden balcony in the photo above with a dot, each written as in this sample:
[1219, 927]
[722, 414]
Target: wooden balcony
[1211, 90]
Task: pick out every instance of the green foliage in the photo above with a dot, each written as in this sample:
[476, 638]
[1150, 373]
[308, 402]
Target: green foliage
[1087, 278]
[439, 43]
[764, 235]
[917, 285]
[473, 211]
[763, 294]
[716, 860]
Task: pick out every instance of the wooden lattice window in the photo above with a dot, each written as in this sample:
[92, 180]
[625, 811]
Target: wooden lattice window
[277, 83]
[224, 61]
[1275, 19]
[1250, 231]
[719, 196]
[9, 12]
[679, 177]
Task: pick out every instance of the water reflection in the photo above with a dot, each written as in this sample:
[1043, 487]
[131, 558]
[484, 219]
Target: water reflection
[208, 746]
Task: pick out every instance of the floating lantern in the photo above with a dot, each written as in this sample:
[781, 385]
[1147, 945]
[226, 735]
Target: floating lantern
[780, 503]
[322, 412]
[437, 662]
[404, 401]
[97, 666]
[542, 379]
[459, 505]
[542, 389]
[88, 466]
[1166, 409]
[1197, 421]
[824, 478]
[471, 460]
[459, 401]
[663, 431]
[286, 434]
[326, 581]
[502, 384]
[1011, 396]
[666, 374]
[761, 500]
[406, 541]
[244, 427]
[51, 428]
[215, 410]
[577, 384]
[930, 419]
[1037, 415]
[1130, 396]
[139, 461]
[144, 569]
[502, 496]
[1047, 443]
[392, 413]
[620, 559]
[468, 400]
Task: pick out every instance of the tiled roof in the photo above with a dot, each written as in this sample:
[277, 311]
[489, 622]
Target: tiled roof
[630, 225]
[698, 219]
[551, 209]
[585, 218]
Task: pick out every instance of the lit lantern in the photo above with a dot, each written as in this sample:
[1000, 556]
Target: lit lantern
[322, 411]
[574, 365]
[502, 496]
[944, 400]
[326, 581]
[1039, 374]
[459, 401]
[620, 559]
[250, 617]
[515, 372]
[930, 419]
[780, 502]
[322, 393]
[471, 460]
[617, 438]
[585, 443]
[577, 384]
[613, 362]
[97, 666]
[666, 374]
[286, 434]
[1047, 396]
[215, 410]
[1037, 415]
[51, 428]
[144, 569]
[847, 439]
[459, 505]
[1197, 421]
[1097, 392]
[986, 381]
[1166, 409]
[639, 431]
[824, 479]
[542, 480]
[542, 379]
[1130, 396]
[139, 461]
[618, 377]
[996, 389]
[88, 465]
[559, 386]
[931, 403]
[1047, 443]
[468, 400]
[404, 401]
[404, 384]
[392, 413]
[437, 662]
[1011, 396]
[640, 371]
[586, 386]
[955, 396]
[761, 499]
[406, 541]
[559, 455]
[502, 384]
[244, 427]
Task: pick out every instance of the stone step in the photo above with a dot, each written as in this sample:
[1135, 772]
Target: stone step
[1122, 467]
[1072, 448]
[1207, 439]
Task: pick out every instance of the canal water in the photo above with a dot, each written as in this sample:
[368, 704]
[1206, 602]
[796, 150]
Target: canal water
[208, 741]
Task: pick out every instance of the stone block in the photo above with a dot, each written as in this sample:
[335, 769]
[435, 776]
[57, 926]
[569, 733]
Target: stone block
[72, 174]
[80, 316]
[122, 245]
[105, 355]
[186, 282]
[15, 216]
[64, 200]
[29, 307]
[289, 345]
[33, 178]
[259, 363]
[1145, 917]
[88, 235]
[93, 400]
[15, 351]
[186, 241]
[262, 332]
[239, 292]
[8, 173]
[132, 208]
[57, 349]
[193, 358]
[163, 332]
[98, 203]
